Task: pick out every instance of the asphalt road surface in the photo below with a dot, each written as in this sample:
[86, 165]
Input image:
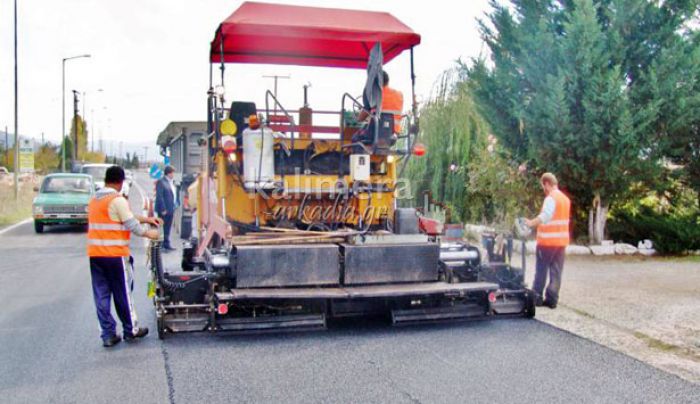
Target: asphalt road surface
[50, 351]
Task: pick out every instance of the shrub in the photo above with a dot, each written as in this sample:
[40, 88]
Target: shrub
[672, 234]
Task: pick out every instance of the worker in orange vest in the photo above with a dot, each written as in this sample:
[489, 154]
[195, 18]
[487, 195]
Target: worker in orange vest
[110, 224]
[392, 103]
[552, 238]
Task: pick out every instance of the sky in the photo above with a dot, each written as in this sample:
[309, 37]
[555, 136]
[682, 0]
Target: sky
[149, 61]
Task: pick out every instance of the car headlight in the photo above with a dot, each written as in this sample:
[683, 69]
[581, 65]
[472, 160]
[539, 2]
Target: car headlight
[38, 209]
[85, 208]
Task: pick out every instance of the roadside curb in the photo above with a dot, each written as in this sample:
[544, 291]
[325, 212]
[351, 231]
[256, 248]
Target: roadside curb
[16, 225]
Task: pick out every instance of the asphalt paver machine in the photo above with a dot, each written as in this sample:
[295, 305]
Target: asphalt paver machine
[298, 222]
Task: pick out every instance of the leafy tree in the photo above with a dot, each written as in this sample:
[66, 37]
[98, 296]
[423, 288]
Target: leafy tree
[572, 87]
[46, 158]
[3, 156]
[452, 132]
[68, 146]
[134, 161]
[498, 191]
[81, 125]
[94, 157]
[675, 80]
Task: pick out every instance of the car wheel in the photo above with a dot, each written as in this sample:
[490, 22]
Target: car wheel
[38, 227]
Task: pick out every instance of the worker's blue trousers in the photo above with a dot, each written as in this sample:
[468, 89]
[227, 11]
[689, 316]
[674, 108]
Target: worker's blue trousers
[112, 277]
[550, 261]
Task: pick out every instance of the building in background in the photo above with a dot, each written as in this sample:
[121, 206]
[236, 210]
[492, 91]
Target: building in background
[179, 146]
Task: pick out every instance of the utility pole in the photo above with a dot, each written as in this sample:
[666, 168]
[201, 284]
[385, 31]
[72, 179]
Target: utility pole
[92, 129]
[145, 154]
[16, 133]
[75, 126]
[42, 138]
[99, 97]
[63, 108]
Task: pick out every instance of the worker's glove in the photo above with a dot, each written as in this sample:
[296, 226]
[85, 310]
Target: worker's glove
[522, 230]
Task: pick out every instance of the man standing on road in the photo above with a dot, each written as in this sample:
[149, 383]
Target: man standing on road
[110, 224]
[552, 238]
[165, 203]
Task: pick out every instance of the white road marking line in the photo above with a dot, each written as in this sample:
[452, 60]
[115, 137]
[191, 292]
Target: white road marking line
[140, 190]
[16, 225]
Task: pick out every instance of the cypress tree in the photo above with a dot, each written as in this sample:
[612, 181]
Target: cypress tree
[574, 87]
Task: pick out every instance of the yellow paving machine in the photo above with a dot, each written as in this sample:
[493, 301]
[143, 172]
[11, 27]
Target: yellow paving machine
[298, 222]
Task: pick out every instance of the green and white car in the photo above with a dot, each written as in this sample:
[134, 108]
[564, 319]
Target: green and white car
[62, 199]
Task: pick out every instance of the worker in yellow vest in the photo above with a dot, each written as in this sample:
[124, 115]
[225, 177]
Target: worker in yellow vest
[552, 238]
[110, 224]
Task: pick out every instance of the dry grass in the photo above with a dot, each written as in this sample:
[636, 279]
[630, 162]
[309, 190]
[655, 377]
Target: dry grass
[12, 211]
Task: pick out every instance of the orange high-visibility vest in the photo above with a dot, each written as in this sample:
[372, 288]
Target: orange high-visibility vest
[556, 232]
[392, 103]
[106, 237]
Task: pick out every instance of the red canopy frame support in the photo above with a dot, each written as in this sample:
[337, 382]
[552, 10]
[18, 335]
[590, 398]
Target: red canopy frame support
[223, 63]
[414, 106]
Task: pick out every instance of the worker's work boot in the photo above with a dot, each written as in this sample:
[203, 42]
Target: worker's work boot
[551, 305]
[142, 332]
[111, 341]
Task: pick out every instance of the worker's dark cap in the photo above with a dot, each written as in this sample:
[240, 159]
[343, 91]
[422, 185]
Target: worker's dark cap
[168, 170]
[114, 175]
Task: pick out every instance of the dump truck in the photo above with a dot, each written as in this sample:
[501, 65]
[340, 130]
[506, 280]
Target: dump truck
[298, 223]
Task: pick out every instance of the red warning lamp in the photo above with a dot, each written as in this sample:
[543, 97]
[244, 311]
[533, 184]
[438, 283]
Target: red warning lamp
[419, 149]
[492, 297]
[228, 143]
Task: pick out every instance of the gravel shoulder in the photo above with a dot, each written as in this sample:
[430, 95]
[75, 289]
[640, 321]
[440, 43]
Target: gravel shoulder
[647, 308]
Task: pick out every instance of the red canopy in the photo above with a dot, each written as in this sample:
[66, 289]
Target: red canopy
[308, 36]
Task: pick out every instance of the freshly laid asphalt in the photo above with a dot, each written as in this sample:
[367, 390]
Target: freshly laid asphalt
[50, 351]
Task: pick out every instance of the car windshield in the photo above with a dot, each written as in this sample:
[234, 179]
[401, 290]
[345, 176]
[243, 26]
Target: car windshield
[52, 185]
[97, 173]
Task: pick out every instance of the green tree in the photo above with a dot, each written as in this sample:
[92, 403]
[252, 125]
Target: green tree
[46, 159]
[81, 126]
[571, 87]
[452, 132]
[134, 161]
[675, 80]
[68, 146]
[94, 157]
